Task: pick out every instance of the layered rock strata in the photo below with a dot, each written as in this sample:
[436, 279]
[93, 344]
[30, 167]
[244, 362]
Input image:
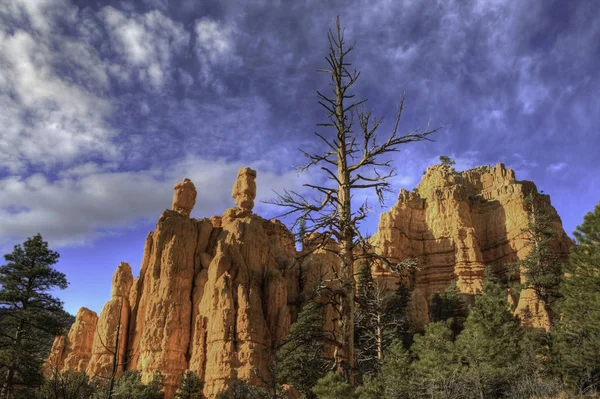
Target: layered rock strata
[456, 224]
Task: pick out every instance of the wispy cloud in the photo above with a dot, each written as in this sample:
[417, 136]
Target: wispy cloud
[77, 206]
[146, 42]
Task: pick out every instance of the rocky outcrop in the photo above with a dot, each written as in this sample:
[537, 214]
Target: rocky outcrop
[456, 224]
[73, 352]
[244, 189]
[184, 198]
[110, 341]
[217, 296]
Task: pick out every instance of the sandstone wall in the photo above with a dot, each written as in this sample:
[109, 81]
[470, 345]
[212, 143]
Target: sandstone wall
[455, 224]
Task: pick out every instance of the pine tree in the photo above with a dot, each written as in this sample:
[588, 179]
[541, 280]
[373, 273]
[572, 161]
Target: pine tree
[447, 161]
[380, 318]
[436, 365]
[67, 385]
[542, 268]
[577, 336]
[130, 386]
[333, 386]
[491, 342]
[300, 360]
[449, 306]
[31, 315]
[190, 386]
[393, 380]
[240, 389]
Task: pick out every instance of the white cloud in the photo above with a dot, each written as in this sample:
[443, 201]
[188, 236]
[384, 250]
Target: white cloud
[39, 14]
[146, 42]
[215, 48]
[556, 167]
[47, 119]
[87, 199]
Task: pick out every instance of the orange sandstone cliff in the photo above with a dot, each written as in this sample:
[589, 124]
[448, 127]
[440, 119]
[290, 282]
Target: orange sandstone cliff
[456, 224]
[216, 296]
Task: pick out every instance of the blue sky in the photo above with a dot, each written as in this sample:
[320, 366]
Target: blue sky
[105, 105]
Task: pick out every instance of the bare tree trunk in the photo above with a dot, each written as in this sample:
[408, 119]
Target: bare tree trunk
[379, 337]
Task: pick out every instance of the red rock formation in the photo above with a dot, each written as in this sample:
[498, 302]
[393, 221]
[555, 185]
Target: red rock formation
[74, 351]
[455, 224]
[114, 319]
[217, 295]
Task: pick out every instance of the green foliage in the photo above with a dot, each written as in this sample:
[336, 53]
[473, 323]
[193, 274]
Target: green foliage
[491, 342]
[449, 306]
[446, 161]
[393, 381]
[301, 234]
[380, 317]
[333, 386]
[436, 364]
[239, 389]
[542, 268]
[30, 317]
[364, 280]
[577, 335]
[67, 385]
[300, 362]
[190, 386]
[130, 386]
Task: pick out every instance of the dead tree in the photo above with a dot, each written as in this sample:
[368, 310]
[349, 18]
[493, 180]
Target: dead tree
[352, 161]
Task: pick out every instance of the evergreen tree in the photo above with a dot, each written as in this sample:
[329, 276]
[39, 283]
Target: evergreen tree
[130, 386]
[300, 360]
[67, 385]
[447, 161]
[30, 314]
[380, 319]
[542, 268]
[436, 365]
[393, 380]
[333, 386]
[239, 389]
[449, 306]
[577, 336]
[190, 386]
[491, 342]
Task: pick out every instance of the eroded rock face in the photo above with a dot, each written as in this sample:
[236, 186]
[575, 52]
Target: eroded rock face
[455, 224]
[242, 312]
[111, 335]
[160, 325]
[184, 198]
[244, 189]
[74, 351]
[217, 296]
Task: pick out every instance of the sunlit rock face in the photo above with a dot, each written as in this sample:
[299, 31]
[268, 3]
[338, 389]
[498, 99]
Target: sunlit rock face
[111, 335]
[456, 224]
[217, 296]
[73, 351]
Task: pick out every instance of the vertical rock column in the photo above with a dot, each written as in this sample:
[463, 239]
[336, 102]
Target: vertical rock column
[73, 352]
[160, 333]
[107, 351]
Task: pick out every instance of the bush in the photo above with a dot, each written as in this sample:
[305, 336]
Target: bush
[332, 386]
[67, 385]
[130, 386]
[190, 387]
